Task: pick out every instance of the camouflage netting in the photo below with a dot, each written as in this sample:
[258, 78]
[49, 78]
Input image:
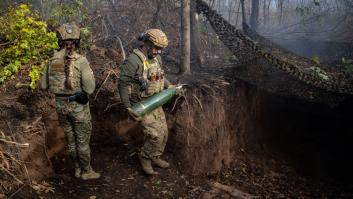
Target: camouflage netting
[266, 65]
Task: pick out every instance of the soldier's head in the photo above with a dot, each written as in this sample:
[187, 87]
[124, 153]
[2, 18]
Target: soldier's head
[68, 35]
[154, 41]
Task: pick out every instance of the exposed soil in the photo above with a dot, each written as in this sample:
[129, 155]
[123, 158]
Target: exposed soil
[224, 133]
[223, 130]
[122, 178]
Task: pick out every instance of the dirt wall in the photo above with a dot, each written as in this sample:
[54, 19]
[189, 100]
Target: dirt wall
[212, 125]
[23, 153]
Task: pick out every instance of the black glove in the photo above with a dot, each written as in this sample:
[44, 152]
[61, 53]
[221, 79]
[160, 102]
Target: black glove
[80, 97]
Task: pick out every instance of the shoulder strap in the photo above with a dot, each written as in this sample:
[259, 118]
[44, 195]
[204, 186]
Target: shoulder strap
[159, 60]
[142, 57]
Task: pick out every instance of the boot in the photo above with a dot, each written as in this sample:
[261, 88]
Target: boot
[77, 172]
[160, 163]
[146, 166]
[90, 174]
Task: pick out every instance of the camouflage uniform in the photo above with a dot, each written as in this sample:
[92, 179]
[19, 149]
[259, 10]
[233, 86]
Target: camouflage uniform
[75, 118]
[154, 124]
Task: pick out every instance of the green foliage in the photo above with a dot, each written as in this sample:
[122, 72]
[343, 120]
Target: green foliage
[73, 10]
[316, 59]
[347, 64]
[320, 72]
[29, 43]
[86, 39]
[317, 2]
[303, 10]
[317, 70]
[306, 10]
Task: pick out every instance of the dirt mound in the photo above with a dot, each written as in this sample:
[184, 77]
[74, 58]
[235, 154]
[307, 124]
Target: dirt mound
[23, 152]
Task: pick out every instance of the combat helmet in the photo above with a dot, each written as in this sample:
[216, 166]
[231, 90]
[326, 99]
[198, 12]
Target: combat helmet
[156, 36]
[69, 31]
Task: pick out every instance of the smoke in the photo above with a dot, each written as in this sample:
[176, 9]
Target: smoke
[311, 28]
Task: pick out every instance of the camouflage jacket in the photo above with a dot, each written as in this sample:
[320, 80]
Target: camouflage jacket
[133, 70]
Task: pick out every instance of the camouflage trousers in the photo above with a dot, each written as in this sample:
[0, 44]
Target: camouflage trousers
[75, 119]
[155, 128]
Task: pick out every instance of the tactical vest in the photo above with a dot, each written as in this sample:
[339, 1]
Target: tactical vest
[57, 77]
[152, 74]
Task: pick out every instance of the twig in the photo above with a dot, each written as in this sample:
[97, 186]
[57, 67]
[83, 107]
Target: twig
[21, 85]
[106, 78]
[109, 106]
[177, 101]
[8, 126]
[34, 123]
[15, 143]
[197, 99]
[11, 174]
[187, 106]
[8, 156]
[24, 165]
[45, 146]
[18, 190]
[121, 47]
[30, 130]
[106, 28]
[232, 191]
[4, 44]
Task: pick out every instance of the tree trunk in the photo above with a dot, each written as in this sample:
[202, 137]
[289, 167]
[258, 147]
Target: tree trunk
[268, 16]
[195, 36]
[185, 38]
[231, 10]
[254, 14]
[238, 11]
[155, 19]
[280, 16]
[243, 10]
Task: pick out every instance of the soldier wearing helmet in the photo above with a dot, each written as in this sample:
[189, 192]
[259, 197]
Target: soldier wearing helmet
[142, 76]
[69, 76]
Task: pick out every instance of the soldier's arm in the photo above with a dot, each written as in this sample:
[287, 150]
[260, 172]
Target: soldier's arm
[127, 74]
[87, 78]
[166, 83]
[44, 84]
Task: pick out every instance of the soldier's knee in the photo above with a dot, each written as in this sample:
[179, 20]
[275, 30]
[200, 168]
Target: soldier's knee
[156, 139]
[82, 149]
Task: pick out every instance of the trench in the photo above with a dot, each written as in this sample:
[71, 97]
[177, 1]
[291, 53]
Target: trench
[220, 121]
[314, 138]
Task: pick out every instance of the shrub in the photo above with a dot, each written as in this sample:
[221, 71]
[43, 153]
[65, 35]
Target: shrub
[28, 44]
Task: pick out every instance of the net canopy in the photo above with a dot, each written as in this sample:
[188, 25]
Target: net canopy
[266, 65]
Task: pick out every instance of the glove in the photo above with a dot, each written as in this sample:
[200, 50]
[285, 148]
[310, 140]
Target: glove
[80, 97]
[134, 115]
[179, 89]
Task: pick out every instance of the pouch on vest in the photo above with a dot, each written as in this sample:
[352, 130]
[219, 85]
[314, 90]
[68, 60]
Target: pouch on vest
[58, 65]
[57, 76]
[153, 83]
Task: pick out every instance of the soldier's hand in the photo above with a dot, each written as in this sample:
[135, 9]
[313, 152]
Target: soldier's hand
[179, 89]
[133, 115]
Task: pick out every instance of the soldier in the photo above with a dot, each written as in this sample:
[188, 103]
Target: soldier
[69, 76]
[142, 76]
